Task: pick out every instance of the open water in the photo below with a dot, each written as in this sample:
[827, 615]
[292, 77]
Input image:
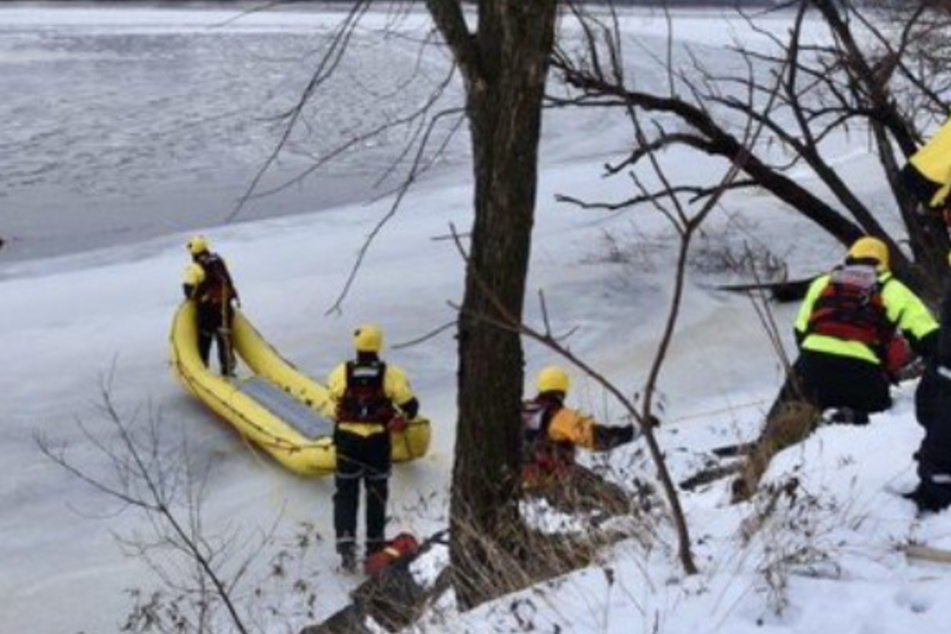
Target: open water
[118, 125]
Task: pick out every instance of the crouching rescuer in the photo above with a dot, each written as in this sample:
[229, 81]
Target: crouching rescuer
[371, 399]
[552, 434]
[847, 328]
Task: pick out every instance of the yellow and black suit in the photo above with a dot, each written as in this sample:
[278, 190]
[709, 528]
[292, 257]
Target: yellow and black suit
[551, 435]
[843, 342]
[367, 394]
[208, 283]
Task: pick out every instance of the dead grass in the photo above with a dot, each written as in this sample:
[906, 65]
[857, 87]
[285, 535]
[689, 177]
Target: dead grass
[793, 422]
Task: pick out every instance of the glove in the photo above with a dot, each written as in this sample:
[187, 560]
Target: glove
[623, 435]
[396, 424]
[610, 437]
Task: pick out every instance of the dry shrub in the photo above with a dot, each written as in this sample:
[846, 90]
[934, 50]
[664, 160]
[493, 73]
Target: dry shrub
[792, 423]
[516, 557]
[526, 557]
[630, 246]
[797, 533]
[756, 261]
[583, 491]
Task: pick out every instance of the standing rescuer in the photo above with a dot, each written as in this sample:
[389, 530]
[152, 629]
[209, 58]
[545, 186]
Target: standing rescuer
[371, 399]
[208, 283]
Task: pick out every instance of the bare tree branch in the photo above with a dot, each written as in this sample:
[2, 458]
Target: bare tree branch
[338, 45]
[394, 206]
[146, 481]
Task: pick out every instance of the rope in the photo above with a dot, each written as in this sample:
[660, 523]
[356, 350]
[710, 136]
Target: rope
[587, 398]
[722, 410]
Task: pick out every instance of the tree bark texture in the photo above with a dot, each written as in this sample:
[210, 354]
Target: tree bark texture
[505, 66]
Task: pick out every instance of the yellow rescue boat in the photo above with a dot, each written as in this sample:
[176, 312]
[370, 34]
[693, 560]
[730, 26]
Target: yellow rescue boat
[277, 407]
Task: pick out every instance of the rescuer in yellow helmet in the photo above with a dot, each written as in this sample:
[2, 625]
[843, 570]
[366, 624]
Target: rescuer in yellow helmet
[855, 329]
[552, 434]
[208, 283]
[845, 326]
[371, 399]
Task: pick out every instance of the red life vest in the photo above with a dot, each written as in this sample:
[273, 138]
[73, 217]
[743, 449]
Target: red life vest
[850, 307]
[542, 457]
[216, 288]
[364, 400]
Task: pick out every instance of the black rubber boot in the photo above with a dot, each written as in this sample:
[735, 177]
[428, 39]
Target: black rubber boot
[348, 558]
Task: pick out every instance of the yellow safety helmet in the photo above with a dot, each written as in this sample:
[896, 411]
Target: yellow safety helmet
[870, 248]
[198, 244]
[552, 379]
[194, 274]
[368, 338]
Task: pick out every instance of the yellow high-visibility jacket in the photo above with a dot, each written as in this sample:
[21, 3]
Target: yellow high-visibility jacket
[396, 387]
[928, 171]
[567, 425]
[903, 309]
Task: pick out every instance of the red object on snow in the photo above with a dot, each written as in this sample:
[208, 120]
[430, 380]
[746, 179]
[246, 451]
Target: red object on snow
[403, 545]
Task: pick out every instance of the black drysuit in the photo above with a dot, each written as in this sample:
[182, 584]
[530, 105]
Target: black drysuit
[933, 410]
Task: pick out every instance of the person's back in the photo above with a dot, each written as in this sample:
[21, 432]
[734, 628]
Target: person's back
[370, 397]
[208, 283]
[216, 287]
[845, 326]
[850, 308]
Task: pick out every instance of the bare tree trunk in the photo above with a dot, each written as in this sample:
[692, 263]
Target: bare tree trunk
[505, 65]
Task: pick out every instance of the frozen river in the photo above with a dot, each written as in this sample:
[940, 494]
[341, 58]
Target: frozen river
[117, 125]
[120, 125]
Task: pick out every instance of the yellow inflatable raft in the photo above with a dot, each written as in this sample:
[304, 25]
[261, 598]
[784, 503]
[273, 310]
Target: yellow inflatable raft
[277, 407]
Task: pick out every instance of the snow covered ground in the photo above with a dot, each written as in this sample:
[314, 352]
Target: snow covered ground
[75, 317]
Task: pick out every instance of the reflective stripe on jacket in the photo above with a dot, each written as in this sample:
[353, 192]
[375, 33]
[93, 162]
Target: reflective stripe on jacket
[902, 307]
[396, 388]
